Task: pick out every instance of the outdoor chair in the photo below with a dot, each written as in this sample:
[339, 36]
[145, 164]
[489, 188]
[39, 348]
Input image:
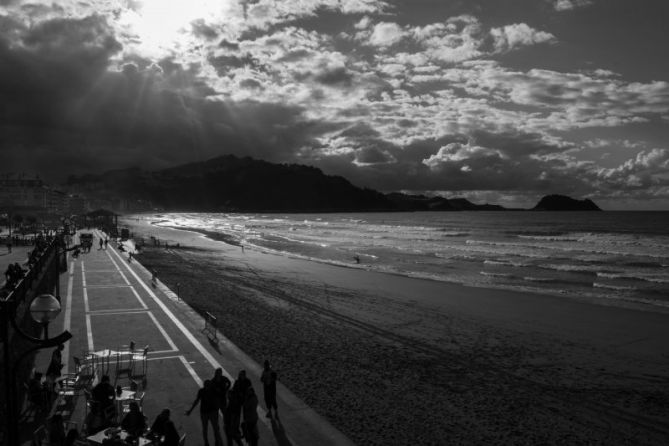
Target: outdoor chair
[124, 363]
[139, 400]
[84, 370]
[140, 359]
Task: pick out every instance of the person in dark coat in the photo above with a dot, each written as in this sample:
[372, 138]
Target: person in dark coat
[103, 394]
[250, 410]
[55, 366]
[268, 379]
[208, 399]
[222, 385]
[232, 416]
[133, 422]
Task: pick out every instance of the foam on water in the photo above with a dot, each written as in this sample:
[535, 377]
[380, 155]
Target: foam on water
[613, 255]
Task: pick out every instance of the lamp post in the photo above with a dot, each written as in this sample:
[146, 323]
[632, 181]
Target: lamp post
[43, 309]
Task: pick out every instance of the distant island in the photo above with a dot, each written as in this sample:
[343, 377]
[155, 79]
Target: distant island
[564, 203]
[233, 184]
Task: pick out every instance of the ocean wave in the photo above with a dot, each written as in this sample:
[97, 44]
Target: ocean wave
[628, 276]
[582, 269]
[489, 274]
[540, 279]
[613, 287]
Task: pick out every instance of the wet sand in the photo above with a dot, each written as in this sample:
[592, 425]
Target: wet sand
[395, 360]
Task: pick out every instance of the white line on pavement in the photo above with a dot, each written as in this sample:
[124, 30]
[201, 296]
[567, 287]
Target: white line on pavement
[67, 321]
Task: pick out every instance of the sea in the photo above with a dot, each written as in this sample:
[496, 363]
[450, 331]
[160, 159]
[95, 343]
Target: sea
[618, 256]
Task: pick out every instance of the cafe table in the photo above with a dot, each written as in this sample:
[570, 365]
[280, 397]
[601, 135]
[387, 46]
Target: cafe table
[111, 432]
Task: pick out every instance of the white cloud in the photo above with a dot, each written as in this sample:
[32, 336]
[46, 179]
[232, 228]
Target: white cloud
[513, 36]
[386, 34]
[567, 5]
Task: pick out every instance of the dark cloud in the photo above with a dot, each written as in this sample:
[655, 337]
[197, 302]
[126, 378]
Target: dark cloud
[339, 76]
[201, 29]
[65, 108]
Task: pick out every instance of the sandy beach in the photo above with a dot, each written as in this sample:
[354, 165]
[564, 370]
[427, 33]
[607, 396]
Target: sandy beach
[395, 360]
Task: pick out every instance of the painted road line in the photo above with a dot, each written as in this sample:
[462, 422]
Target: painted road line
[191, 371]
[198, 346]
[116, 312]
[67, 322]
[214, 363]
[134, 291]
[163, 332]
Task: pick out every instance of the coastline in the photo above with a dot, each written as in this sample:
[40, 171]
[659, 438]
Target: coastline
[420, 360]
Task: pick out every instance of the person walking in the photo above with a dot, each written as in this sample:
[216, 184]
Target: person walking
[250, 425]
[232, 416]
[101, 243]
[268, 379]
[222, 385]
[106, 243]
[208, 400]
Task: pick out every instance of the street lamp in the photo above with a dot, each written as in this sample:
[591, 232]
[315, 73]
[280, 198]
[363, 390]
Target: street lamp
[43, 309]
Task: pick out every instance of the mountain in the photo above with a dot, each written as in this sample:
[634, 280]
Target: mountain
[235, 184]
[230, 183]
[564, 203]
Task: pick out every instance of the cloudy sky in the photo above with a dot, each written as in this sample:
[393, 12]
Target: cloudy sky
[496, 100]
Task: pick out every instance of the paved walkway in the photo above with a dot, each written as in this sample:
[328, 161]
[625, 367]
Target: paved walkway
[110, 302]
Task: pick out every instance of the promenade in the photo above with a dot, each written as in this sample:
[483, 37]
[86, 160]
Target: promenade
[109, 301]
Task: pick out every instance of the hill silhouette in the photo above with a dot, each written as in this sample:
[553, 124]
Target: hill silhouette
[234, 184]
[564, 203]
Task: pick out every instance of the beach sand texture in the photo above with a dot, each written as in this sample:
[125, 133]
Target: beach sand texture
[394, 360]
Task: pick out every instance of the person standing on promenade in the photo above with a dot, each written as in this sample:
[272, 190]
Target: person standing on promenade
[101, 243]
[268, 379]
[106, 243]
[222, 385]
[250, 427]
[55, 366]
[232, 416]
[208, 400]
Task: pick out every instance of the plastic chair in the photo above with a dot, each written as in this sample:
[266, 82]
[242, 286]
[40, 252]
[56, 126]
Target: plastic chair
[142, 359]
[84, 370]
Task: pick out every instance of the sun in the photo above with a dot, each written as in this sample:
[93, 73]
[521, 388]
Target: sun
[160, 26]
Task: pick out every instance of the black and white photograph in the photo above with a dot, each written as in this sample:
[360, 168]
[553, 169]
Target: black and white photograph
[334, 222]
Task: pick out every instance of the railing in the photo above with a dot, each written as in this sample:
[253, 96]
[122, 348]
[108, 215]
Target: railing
[210, 326]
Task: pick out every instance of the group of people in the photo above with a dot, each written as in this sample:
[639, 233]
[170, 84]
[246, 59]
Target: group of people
[13, 275]
[134, 422]
[237, 403]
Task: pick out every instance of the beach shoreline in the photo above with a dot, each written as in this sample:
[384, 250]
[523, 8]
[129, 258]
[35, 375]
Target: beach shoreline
[467, 364]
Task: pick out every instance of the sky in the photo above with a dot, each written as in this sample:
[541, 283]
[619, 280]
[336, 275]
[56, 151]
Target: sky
[499, 101]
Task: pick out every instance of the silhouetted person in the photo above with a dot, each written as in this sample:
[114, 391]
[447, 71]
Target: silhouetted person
[55, 365]
[104, 394]
[171, 435]
[356, 258]
[101, 243]
[242, 382]
[37, 393]
[268, 379]
[158, 426]
[208, 400]
[250, 409]
[133, 422]
[232, 416]
[222, 385]
[106, 243]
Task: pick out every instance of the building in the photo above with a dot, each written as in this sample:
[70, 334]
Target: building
[23, 191]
